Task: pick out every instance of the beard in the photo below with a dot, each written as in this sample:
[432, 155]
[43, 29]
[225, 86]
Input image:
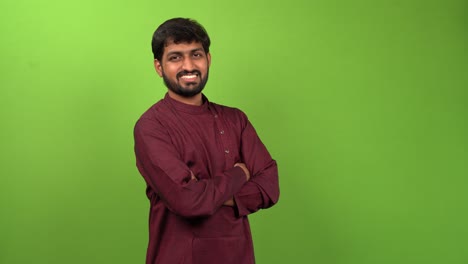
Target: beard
[189, 90]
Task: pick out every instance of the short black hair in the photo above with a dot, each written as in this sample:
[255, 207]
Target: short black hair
[178, 30]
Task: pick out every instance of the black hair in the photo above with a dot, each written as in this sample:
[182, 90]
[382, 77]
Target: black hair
[178, 30]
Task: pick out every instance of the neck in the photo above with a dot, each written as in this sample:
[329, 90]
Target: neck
[194, 100]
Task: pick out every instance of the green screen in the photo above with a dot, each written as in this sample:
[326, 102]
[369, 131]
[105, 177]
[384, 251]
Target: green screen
[362, 103]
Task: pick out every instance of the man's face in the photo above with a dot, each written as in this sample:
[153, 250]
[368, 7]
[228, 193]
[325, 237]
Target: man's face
[184, 68]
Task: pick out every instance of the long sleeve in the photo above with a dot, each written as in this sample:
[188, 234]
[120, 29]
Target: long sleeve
[262, 190]
[170, 177]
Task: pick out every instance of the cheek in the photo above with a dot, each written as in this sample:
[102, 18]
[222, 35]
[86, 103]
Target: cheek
[170, 72]
[203, 67]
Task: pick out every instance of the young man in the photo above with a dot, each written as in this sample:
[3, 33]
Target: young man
[205, 167]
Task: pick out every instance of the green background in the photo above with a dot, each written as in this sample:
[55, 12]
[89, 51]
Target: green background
[362, 103]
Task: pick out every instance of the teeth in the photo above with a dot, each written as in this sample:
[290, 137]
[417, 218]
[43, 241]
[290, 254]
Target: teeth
[189, 76]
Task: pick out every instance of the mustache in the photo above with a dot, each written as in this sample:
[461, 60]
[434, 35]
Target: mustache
[179, 74]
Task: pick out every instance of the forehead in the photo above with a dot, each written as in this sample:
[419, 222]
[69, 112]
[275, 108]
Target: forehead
[182, 47]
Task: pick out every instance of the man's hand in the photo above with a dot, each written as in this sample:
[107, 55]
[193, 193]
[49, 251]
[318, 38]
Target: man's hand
[244, 168]
[229, 202]
[192, 176]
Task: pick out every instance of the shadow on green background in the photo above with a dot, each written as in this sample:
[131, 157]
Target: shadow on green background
[362, 103]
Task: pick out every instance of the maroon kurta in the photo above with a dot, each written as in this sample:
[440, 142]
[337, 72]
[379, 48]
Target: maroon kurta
[188, 222]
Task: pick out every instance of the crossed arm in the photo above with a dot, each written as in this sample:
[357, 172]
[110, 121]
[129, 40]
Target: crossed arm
[231, 201]
[248, 186]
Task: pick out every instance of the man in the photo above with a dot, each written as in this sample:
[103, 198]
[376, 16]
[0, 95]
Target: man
[204, 165]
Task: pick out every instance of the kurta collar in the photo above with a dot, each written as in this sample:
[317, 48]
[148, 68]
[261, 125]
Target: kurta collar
[191, 109]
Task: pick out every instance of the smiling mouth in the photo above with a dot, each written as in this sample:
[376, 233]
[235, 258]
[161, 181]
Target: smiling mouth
[189, 76]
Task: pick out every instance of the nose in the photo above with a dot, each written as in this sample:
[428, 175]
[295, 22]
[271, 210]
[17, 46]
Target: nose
[188, 64]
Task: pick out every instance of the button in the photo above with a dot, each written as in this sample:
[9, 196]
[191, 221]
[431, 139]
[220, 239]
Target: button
[221, 132]
[227, 151]
[215, 116]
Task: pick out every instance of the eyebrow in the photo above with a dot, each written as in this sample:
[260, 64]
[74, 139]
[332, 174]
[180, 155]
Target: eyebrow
[180, 52]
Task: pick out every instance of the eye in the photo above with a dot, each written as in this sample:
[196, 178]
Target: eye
[198, 55]
[174, 58]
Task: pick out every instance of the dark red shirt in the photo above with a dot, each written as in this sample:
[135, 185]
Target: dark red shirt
[188, 221]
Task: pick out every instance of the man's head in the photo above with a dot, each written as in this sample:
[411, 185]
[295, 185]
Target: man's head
[181, 55]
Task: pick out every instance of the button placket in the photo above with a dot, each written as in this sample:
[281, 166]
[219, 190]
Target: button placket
[222, 133]
[224, 142]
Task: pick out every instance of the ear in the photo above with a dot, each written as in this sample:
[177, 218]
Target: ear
[158, 67]
[208, 56]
